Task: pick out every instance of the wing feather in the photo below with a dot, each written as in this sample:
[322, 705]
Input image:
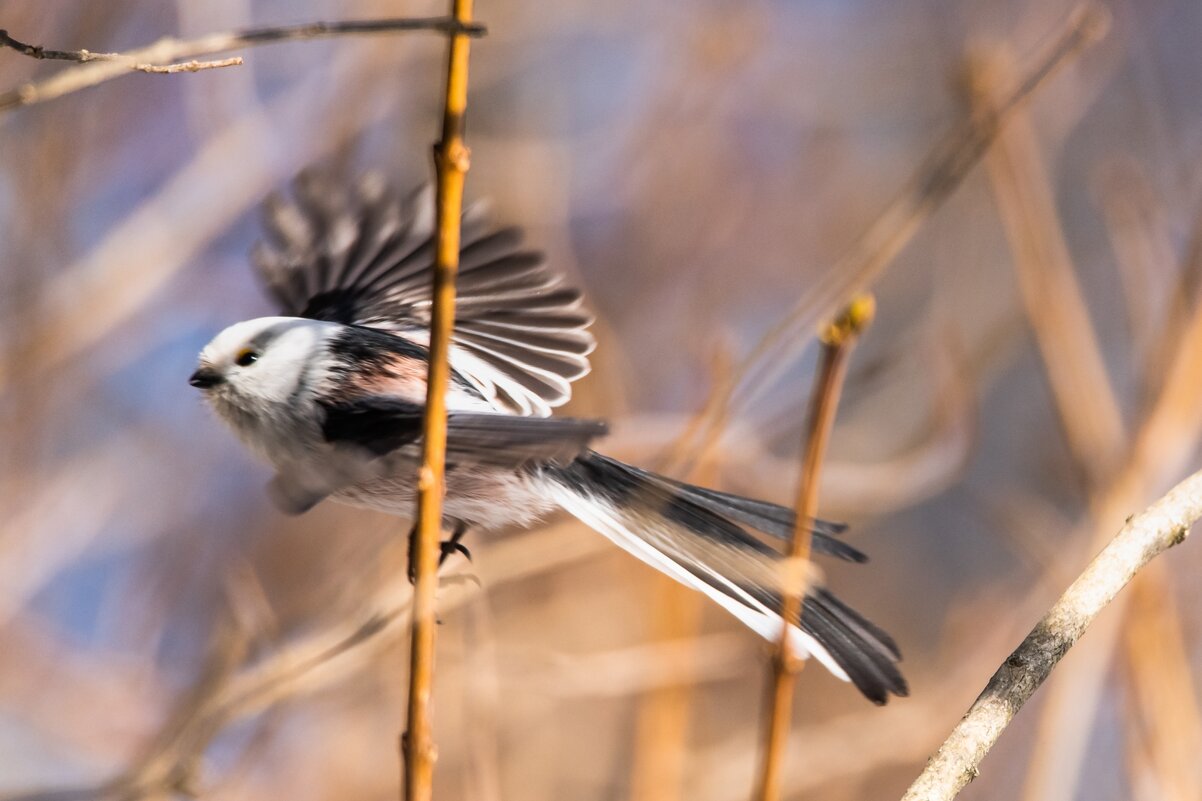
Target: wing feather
[363, 255]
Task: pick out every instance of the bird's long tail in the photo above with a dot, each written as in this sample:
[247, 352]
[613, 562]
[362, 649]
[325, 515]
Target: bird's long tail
[699, 537]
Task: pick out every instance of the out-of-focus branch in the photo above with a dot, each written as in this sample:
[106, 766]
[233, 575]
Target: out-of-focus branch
[318, 660]
[451, 160]
[1165, 444]
[937, 178]
[660, 753]
[147, 248]
[1089, 413]
[1162, 526]
[1085, 401]
[837, 341]
[171, 55]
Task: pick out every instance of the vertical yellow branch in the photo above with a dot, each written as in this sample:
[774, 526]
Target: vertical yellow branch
[451, 161]
[837, 341]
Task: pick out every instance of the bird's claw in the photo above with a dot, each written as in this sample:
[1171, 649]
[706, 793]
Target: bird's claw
[447, 548]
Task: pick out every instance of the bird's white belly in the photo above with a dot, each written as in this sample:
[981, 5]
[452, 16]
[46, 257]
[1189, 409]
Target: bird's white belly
[484, 498]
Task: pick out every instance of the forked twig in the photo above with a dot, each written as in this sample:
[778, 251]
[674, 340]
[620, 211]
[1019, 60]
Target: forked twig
[451, 161]
[1162, 526]
[837, 341]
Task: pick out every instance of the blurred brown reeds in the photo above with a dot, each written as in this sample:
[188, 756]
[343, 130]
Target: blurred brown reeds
[1030, 382]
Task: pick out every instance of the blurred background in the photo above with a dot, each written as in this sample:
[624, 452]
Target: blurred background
[697, 167]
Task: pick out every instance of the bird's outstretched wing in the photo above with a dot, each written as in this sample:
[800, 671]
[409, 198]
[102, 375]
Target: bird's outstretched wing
[362, 255]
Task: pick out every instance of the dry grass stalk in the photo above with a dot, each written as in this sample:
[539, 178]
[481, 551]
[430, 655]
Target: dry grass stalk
[170, 55]
[1162, 526]
[452, 160]
[837, 341]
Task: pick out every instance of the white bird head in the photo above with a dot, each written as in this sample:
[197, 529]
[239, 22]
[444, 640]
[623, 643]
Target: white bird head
[258, 364]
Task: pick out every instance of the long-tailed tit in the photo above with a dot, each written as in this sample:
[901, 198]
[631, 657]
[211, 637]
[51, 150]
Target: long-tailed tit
[332, 394]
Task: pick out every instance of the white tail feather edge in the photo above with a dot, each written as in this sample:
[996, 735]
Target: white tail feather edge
[606, 520]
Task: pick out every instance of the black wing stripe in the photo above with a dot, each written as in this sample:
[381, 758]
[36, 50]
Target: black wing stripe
[508, 441]
[385, 424]
[381, 425]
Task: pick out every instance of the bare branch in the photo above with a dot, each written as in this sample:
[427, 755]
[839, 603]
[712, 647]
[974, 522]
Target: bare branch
[837, 341]
[84, 56]
[169, 55]
[1162, 526]
[451, 161]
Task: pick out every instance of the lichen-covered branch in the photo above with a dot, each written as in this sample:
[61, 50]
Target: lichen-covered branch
[1162, 526]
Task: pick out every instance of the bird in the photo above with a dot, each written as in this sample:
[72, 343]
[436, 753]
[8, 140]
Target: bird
[330, 392]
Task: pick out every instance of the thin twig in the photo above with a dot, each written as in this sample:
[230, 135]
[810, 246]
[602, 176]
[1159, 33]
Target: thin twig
[188, 66]
[171, 55]
[1162, 526]
[837, 341]
[129, 62]
[452, 160]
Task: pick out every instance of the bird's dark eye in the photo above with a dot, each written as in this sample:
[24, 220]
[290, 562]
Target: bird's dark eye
[246, 358]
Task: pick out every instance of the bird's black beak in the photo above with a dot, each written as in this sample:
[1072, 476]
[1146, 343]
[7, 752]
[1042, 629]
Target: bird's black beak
[205, 378]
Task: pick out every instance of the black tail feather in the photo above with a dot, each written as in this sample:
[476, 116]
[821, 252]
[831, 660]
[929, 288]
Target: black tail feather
[735, 558]
[777, 521]
[870, 664]
[769, 518]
